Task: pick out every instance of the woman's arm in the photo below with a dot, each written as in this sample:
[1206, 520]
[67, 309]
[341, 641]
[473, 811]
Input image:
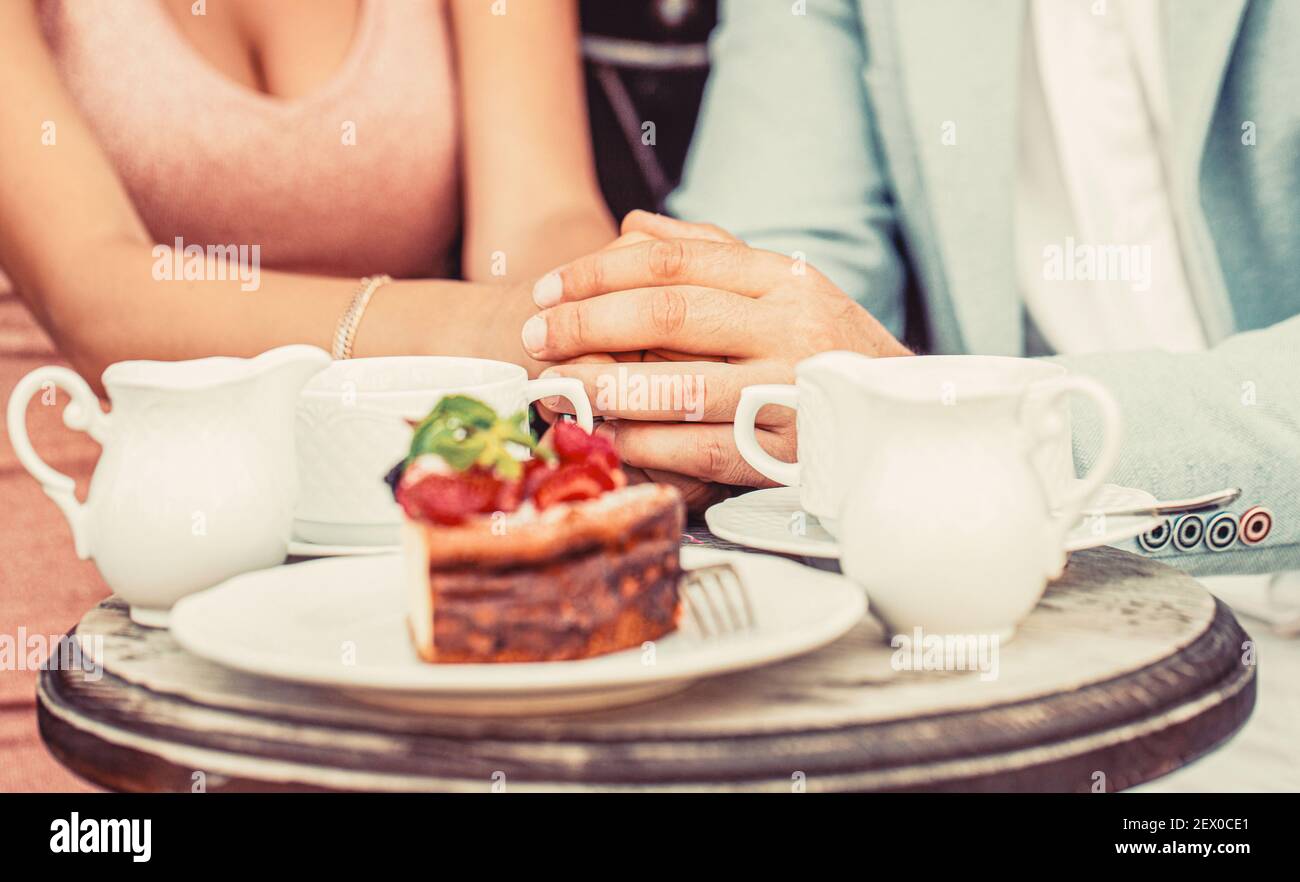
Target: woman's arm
[530, 182]
[79, 255]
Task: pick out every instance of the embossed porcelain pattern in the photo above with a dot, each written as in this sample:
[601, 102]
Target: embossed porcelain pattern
[197, 479]
[352, 426]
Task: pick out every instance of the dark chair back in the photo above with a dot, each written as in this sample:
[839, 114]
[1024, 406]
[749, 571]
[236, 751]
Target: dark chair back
[646, 63]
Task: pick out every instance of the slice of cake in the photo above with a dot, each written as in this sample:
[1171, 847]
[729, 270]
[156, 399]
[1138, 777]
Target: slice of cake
[520, 561]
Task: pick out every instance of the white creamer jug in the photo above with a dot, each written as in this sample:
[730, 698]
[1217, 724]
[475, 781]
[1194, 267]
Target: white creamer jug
[197, 480]
[953, 524]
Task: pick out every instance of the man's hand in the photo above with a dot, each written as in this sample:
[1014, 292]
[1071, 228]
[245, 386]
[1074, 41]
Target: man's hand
[692, 299]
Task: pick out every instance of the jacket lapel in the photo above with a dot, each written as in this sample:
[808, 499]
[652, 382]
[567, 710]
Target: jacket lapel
[1200, 35]
[1199, 38]
[953, 61]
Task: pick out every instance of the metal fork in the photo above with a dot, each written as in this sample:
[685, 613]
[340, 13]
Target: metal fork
[715, 600]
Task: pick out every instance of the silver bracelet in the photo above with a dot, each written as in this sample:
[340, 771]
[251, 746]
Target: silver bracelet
[347, 329]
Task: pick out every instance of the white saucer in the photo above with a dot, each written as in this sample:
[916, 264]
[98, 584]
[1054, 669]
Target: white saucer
[298, 548]
[771, 520]
[341, 623]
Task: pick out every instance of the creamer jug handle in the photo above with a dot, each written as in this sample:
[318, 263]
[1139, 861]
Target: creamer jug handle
[1037, 417]
[82, 413]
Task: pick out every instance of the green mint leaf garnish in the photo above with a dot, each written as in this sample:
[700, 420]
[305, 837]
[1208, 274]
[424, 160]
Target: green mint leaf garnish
[468, 412]
[466, 433]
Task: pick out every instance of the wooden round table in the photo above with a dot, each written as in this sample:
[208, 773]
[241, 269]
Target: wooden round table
[1126, 671]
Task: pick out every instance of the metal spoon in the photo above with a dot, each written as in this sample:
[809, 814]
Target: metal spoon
[1208, 502]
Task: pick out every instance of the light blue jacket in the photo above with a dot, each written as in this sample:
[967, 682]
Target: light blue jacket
[822, 133]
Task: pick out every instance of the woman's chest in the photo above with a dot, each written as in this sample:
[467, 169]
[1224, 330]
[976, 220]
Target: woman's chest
[358, 174]
[284, 49]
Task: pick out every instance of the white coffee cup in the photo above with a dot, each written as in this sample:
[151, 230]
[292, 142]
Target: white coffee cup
[352, 427]
[836, 422]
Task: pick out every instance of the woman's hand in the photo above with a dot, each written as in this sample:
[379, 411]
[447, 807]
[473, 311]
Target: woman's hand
[762, 312]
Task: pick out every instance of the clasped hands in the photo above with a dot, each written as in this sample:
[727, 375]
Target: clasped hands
[667, 324]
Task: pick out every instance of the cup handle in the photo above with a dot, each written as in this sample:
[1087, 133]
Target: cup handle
[563, 387]
[82, 413]
[1037, 419]
[752, 399]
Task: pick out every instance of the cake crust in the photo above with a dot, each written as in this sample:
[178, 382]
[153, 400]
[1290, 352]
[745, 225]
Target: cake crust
[534, 537]
[573, 581]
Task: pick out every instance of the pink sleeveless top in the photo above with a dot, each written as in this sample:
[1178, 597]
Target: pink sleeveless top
[358, 176]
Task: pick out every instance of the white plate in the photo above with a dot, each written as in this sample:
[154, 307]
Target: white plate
[341, 623]
[299, 548]
[771, 520]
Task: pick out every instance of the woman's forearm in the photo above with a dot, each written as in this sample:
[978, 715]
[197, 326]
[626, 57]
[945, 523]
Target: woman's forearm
[437, 317]
[118, 301]
[532, 200]
[524, 254]
[568, 236]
